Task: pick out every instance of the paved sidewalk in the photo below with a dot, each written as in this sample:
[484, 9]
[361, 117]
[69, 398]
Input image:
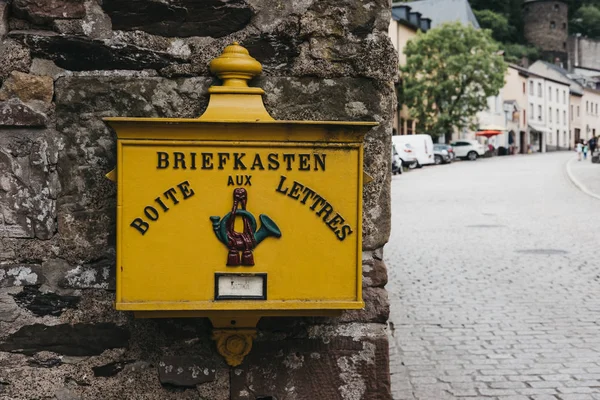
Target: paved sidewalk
[585, 175]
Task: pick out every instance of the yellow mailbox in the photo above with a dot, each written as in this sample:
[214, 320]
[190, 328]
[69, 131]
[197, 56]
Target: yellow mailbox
[234, 215]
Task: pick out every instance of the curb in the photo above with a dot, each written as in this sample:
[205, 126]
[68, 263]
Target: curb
[577, 182]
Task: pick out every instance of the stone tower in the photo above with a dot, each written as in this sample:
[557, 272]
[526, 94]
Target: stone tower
[546, 27]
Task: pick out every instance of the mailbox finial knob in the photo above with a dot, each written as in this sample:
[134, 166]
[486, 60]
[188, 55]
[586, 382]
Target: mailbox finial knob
[235, 66]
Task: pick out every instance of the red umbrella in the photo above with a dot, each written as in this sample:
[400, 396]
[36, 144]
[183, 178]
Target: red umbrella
[488, 133]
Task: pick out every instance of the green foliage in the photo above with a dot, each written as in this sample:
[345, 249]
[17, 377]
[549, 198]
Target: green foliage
[498, 6]
[586, 20]
[450, 72]
[514, 53]
[502, 31]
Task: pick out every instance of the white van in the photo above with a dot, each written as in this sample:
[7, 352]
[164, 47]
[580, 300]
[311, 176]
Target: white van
[422, 146]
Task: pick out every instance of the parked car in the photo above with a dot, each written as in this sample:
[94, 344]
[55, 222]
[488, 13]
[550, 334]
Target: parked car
[396, 162]
[421, 146]
[442, 154]
[468, 149]
[406, 154]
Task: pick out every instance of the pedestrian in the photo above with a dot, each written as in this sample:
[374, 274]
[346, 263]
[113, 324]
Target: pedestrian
[593, 143]
[579, 150]
[585, 150]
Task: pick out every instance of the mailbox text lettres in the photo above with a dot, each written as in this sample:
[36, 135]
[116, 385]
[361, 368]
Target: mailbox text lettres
[320, 206]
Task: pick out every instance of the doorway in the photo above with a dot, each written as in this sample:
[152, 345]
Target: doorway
[522, 148]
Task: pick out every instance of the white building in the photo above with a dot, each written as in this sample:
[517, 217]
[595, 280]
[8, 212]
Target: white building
[551, 107]
[584, 120]
[557, 103]
[590, 102]
[537, 113]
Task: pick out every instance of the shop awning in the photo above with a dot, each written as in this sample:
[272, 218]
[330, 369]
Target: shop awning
[488, 133]
[538, 128]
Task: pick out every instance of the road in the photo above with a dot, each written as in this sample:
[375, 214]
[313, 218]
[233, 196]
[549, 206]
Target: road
[494, 284]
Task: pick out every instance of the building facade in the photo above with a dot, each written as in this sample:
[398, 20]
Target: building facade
[537, 120]
[575, 116]
[403, 27]
[590, 103]
[557, 95]
[557, 104]
[515, 98]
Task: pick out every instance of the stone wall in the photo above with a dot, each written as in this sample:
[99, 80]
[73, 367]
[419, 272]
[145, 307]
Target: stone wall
[584, 52]
[546, 27]
[68, 63]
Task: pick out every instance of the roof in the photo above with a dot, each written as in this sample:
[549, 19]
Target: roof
[442, 11]
[560, 75]
[404, 15]
[556, 68]
[522, 71]
[400, 14]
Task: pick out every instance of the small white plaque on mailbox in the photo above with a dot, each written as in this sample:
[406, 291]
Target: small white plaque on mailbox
[240, 286]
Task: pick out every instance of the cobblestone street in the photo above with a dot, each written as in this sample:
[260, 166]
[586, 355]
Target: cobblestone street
[494, 282]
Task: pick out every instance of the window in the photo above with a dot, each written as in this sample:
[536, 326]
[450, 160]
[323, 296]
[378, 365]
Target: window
[596, 108]
[571, 112]
[587, 106]
[550, 114]
[524, 117]
[531, 111]
[564, 28]
[552, 25]
[556, 7]
[539, 89]
[578, 111]
[564, 97]
[557, 98]
[540, 112]
[564, 117]
[549, 94]
[531, 88]
[409, 127]
[557, 116]
[524, 87]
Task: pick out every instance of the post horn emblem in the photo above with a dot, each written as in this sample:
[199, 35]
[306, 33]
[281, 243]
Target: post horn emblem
[242, 242]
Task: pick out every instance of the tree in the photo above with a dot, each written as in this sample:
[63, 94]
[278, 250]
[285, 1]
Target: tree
[502, 31]
[499, 6]
[514, 53]
[450, 72]
[586, 21]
